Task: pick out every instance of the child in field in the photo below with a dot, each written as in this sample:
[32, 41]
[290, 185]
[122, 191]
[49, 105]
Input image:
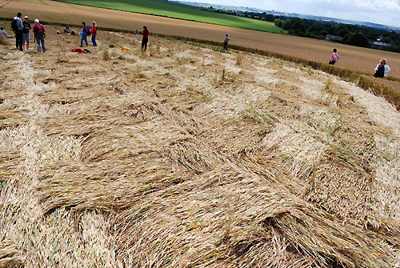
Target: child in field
[145, 39]
[334, 57]
[382, 69]
[39, 34]
[226, 42]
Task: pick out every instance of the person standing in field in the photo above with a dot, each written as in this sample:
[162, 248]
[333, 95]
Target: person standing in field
[145, 39]
[85, 31]
[382, 69]
[93, 31]
[226, 42]
[39, 35]
[334, 57]
[17, 26]
[26, 33]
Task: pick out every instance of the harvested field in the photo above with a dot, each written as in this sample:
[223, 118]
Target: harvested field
[180, 11]
[189, 157]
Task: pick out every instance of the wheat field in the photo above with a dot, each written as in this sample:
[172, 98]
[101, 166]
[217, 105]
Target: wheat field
[186, 156]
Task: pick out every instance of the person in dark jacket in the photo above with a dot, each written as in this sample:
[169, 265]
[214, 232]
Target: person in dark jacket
[39, 33]
[145, 39]
[26, 33]
[18, 26]
[226, 42]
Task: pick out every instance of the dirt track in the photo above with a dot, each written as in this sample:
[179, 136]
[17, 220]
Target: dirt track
[358, 59]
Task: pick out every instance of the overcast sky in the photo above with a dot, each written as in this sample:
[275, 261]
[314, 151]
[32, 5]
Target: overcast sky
[380, 11]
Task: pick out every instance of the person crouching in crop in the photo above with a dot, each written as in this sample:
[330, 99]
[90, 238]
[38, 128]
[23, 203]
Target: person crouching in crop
[3, 33]
[39, 34]
[3, 36]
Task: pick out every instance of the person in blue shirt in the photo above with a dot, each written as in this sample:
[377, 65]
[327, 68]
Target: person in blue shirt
[18, 27]
[85, 32]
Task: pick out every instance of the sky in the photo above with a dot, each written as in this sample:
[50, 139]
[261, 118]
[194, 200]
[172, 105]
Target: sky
[378, 11]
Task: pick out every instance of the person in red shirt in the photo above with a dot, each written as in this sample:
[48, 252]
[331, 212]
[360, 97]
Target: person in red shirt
[93, 30]
[145, 39]
[39, 34]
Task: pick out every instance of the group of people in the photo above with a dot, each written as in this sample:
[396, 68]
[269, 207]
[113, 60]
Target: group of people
[22, 29]
[381, 70]
[87, 31]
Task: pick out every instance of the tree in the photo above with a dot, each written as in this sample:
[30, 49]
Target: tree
[357, 39]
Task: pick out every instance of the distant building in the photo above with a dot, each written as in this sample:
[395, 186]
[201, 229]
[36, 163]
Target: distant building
[380, 44]
[335, 38]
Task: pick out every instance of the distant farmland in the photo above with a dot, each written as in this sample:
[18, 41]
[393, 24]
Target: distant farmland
[180, 11]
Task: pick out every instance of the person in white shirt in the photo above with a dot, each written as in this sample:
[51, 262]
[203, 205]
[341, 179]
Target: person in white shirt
[387, 70]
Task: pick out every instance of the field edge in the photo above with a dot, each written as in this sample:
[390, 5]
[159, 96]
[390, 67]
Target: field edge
[279, 30]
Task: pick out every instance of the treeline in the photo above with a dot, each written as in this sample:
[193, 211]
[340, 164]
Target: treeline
[355, 35]
[344, 33]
